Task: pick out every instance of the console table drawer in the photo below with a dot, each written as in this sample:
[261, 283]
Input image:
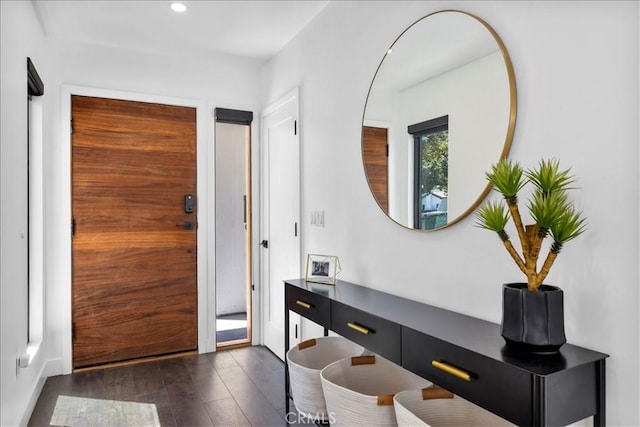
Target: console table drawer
[374, 333]
[499, 388]
[310, 305]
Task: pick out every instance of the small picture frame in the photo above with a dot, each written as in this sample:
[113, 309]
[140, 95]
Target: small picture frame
[322, 268]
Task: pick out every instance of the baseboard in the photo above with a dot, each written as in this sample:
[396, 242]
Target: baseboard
[53, 367]
[49, 368]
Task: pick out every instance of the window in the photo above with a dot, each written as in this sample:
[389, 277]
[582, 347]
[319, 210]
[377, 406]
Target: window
[431, 172]
[35, 90]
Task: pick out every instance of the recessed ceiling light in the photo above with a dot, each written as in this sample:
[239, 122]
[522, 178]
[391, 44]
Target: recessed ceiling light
[178, 7]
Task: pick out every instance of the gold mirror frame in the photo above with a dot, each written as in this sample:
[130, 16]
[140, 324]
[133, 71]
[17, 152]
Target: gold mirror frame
[510, 128]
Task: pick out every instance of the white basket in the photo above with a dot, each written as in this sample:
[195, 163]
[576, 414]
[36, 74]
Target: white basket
[412, 410]
[360, 392]
[305, 362]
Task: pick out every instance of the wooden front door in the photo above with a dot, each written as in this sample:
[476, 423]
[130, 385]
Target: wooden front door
[134, 243]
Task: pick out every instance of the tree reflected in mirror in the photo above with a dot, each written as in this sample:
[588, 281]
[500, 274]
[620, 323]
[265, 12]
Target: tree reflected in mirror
[432, 179]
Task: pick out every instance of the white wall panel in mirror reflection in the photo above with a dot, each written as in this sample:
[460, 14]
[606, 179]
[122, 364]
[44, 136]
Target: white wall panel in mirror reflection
[451, 64]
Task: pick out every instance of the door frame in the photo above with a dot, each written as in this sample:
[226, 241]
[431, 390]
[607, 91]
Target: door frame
[204, 182]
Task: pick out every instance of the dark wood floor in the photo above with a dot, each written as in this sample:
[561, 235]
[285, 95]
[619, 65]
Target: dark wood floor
[238, 387]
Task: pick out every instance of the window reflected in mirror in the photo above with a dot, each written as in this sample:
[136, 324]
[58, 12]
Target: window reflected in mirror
[431, 173]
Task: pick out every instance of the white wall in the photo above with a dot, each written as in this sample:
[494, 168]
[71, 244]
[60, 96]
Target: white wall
[20, 37]
[576, 68]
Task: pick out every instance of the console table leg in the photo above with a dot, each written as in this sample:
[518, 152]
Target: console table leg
[539, 401]
[286, 366]
[600, 418]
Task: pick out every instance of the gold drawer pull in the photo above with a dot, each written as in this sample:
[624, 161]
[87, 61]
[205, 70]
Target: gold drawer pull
[359, 328]
[451, 370]
[304, 304]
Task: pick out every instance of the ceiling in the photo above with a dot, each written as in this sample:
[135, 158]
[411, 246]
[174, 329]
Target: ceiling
[432, 46]
[252, 29]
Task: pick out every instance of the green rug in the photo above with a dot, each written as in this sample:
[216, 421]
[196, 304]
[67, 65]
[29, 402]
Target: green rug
[81, 411]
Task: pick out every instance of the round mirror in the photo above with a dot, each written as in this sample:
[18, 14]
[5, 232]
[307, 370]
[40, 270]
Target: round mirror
[440, 111]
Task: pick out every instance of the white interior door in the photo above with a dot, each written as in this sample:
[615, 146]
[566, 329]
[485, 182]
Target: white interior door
[281, 217]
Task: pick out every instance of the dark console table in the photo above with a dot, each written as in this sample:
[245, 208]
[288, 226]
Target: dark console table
[463, 354]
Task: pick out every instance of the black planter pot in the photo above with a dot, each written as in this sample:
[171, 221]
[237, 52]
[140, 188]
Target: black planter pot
[533, 321]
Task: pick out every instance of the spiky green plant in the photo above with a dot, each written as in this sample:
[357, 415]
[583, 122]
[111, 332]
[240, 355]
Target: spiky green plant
[552, 212]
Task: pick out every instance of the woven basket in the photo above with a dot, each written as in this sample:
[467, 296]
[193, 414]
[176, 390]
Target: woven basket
[437, 407]
[305, 362]
[359, 391]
